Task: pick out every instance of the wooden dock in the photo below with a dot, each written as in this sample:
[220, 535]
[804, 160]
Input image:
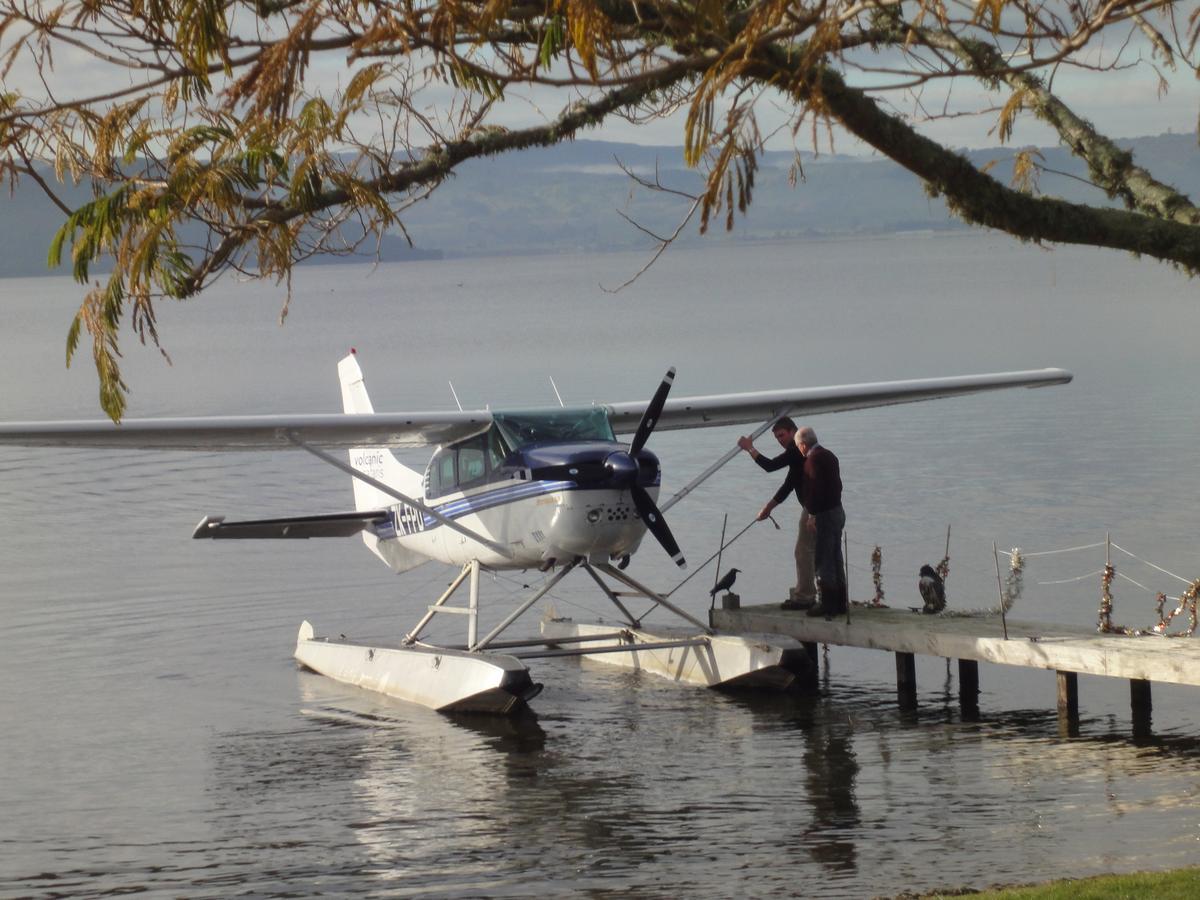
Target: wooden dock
[1065, 649]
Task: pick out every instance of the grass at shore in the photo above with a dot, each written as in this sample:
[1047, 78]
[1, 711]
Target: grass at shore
[1180, 884]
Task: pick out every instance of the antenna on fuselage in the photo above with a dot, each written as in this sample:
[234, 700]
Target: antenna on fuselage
[454, 393]
[556, 393]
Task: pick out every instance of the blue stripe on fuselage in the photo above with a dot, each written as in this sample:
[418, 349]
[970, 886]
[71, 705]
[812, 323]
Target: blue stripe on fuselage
[509, 493]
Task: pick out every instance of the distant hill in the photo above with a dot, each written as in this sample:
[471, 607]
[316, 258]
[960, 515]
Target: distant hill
[567, 198]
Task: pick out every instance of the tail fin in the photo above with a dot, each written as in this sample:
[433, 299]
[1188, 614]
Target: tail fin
[377, 462]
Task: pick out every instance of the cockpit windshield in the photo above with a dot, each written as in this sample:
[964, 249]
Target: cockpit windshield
[522, 428]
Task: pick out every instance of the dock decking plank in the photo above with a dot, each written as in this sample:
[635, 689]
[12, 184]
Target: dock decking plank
[1031, 644]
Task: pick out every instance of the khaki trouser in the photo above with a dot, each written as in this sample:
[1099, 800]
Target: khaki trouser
[806, 577]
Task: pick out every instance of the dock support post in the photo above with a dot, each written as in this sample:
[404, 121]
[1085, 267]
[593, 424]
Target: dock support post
[1141, 705]
[968, 689]
[906, 680]
[814, 657]
[1068, 704]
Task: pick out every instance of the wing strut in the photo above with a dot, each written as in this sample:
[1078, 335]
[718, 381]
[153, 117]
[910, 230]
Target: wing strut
[726, 457]
[403, 498]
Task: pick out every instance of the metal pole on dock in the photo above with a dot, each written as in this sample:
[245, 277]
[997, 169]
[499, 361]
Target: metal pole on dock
[846, 569]
[999, 588]
[712, 603]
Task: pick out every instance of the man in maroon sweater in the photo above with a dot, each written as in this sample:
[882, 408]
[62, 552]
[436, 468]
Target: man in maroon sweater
[821, 494]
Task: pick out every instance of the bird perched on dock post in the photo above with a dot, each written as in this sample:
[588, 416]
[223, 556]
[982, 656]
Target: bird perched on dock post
[725, 583]
[933, 590]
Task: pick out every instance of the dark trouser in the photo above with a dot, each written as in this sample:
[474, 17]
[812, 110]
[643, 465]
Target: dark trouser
[831, 572]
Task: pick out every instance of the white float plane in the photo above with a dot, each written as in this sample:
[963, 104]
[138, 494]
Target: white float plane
[551, 489]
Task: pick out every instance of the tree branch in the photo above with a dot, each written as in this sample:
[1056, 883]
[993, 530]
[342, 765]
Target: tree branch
[978, 197]
[440, 161]
[1111, 168]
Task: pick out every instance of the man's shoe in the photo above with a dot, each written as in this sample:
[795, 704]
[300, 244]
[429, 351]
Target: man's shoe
[818, 610]
[794, 604]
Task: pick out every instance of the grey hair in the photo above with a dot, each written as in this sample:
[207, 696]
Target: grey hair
[806, 435]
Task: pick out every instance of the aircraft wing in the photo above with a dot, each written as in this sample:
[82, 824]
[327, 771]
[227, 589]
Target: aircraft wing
[332, 431]
[759, 406]
[399, 430]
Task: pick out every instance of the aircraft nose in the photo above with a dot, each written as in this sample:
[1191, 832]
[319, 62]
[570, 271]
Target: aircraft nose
[621, 468]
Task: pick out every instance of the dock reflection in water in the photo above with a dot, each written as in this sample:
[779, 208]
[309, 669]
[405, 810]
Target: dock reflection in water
[663, 789]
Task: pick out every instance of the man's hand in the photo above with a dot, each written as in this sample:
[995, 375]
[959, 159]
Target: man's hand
[765, 512]
[745, 443]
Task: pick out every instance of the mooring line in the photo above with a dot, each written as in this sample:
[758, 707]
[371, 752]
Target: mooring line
[700, 567]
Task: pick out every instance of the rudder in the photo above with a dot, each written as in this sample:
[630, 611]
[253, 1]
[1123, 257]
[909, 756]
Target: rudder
[377, 462]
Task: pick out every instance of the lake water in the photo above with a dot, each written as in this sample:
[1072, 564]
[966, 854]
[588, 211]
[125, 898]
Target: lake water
[158, 738]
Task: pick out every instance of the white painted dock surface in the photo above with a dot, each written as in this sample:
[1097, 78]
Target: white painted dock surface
[1064, 648]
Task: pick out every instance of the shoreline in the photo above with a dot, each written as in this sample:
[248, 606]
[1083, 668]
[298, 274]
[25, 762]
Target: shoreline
[1162, 885]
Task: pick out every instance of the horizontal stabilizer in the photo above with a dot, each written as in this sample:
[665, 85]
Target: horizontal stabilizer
[328, 525]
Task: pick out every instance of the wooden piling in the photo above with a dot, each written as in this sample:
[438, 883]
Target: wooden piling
[1140, 705]
[1068, 703]
[968, 689]
[906, 680]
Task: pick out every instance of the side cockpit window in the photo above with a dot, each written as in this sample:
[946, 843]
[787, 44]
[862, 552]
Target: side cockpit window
[467, 464]
[441, 473]
[471, 467]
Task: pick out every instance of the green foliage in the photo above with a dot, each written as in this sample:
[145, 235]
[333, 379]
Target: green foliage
[1181, 884]
[553, 40]
[94, 229]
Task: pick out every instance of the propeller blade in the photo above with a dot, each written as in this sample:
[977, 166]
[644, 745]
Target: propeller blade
[653, 411]
[657, 524]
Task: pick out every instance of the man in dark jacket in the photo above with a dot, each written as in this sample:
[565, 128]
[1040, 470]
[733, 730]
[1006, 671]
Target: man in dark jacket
[821, 494]
[804, 594]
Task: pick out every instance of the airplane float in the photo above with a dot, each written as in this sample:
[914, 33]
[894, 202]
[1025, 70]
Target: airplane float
[551, 489]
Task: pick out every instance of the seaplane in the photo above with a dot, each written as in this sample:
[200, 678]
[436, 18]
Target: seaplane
[552, 489]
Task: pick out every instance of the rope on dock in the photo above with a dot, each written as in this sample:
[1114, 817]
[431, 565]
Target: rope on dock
[1011, 590]
[1150, 564]
[1186, 600]
[1070, 580]
[1136, 583]
[1014, 584]
[1055, 552]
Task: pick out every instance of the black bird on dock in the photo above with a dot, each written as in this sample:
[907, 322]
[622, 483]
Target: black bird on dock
[933, 590]
[725, 583]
